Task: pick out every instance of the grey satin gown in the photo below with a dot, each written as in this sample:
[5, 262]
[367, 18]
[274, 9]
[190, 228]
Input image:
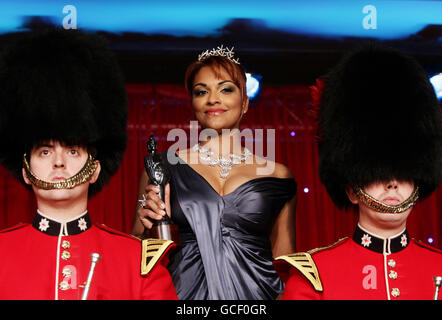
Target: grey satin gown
[225, 251]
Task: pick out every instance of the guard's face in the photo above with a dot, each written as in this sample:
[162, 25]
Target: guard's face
[53, 162]
[217, 101]
[390, 193]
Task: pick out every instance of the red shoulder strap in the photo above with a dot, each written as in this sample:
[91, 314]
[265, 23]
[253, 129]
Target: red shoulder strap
[17, 226]
[113, 231]
[427, 246]
[333, 245]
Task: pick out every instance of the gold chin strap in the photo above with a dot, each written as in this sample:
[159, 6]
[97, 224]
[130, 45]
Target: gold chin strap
[385, 208]
[81, 177]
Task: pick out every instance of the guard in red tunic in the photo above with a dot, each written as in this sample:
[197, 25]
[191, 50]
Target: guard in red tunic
[63, 107]
[380, 150]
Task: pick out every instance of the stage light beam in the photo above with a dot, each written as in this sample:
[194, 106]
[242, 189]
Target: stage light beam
[436, 81]
[253, 85]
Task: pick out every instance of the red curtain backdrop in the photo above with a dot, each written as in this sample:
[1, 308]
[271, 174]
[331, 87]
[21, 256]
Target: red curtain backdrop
[159, 108]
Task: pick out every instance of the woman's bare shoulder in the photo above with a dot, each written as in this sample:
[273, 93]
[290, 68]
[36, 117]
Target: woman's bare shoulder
[275, 169]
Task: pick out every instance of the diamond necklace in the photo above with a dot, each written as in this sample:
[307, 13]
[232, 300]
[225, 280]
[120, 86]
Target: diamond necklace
[225, 164]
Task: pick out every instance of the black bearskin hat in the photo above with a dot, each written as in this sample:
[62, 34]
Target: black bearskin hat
[62, 85]
[379, 119]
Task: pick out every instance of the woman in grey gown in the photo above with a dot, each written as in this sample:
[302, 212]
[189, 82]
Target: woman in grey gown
[233, 219]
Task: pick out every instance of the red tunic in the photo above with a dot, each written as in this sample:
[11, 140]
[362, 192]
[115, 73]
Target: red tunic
[368, 267]
[49, 260]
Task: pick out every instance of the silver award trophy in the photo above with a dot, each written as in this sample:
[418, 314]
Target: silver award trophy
[159, 175]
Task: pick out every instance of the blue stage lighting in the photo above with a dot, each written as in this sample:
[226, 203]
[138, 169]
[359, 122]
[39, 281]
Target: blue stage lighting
[436, 81]
[253, 85]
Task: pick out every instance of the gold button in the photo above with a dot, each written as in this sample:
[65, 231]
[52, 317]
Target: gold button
[63, 285]
[391, 263]
[65, 255]
[66, 244]
[392, 274]
[67, 272]
[395, 292]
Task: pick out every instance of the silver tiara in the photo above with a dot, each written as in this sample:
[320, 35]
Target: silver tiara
[220, 51]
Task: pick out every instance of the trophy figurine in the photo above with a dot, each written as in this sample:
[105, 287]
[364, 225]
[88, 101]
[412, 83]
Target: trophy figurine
[159, 175]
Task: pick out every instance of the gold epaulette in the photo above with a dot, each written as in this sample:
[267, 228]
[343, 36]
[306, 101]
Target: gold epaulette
[304, 263]
[152, 250]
